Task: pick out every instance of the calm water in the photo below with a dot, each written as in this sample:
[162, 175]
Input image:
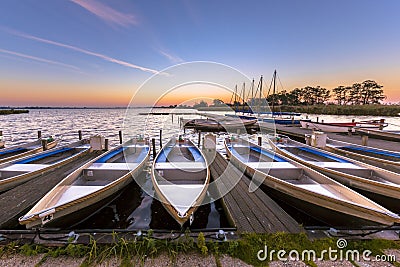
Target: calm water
[133, 208]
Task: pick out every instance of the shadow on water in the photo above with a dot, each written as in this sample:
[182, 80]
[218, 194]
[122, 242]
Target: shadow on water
[134, 209]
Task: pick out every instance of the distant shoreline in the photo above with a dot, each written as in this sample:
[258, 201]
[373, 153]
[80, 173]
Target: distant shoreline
[356, 110]
[13, 111]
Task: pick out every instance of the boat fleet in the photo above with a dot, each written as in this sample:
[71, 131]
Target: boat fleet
[340, 184]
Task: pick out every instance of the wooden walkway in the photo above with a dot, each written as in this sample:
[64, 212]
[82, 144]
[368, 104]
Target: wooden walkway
[250, 212]
[17, 201]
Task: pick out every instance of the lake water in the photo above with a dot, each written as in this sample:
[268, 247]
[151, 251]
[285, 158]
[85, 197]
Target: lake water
[133, 208]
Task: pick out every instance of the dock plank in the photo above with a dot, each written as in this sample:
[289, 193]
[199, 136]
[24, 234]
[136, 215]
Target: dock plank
[17, 201]
[251, 212]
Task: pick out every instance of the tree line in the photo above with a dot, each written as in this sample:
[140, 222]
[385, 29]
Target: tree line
[367, 92]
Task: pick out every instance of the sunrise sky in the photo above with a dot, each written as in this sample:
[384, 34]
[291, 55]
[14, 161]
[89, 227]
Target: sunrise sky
[98, 53]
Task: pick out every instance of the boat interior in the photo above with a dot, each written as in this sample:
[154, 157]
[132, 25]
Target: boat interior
[182, 164]
[332, 162]
[12, 152]
[278, 167]
[111, 166]
[388, 155]
[38, 162]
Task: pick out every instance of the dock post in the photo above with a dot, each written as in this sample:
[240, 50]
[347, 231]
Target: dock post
[44, 144]
[260, 140]
[349, 131]
[364, 140]
[106, 144]
[153, 142]
[172, 118]
[160, 138]
[80, 134]
[1, 133]
[198, 142]
[120, 137]
[317, 119]
[353, 120]
[39, 134]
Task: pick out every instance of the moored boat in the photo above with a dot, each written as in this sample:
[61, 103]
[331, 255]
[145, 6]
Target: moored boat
[180, 177]
[219, 125]
[342, 127]
[21, 170]
[90, 184]
[19, 151]
[385, 159]
[378, 184]
[305, 189]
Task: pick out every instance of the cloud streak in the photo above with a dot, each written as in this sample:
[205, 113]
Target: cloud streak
[106, 13]
[43, 60]
[171, 57]
[84, 51]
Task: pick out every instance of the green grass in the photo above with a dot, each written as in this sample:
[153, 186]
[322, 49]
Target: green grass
[13, 111]
[245, 248]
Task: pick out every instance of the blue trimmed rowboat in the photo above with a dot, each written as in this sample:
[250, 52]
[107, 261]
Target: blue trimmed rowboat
[180, 178]
[21, 170]
[378, 184]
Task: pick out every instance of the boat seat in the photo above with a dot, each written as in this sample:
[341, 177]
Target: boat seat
[180, 165]
[113, 166]
[271, 165]
[336, 165]
[318, 188]
[109, 155]
[75, 191]
[323, 154]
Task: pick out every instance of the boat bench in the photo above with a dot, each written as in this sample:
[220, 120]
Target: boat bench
[336, 165]
[180, 165]
[113, 166]
[271, 165]
[18, 169]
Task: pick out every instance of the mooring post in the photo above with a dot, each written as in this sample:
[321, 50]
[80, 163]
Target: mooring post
[120, 137]
[44, 144]
[153, 142]
[160, 138]
[317, 119]
[39, 134]
[106, 144]
[172, 118]
[353, 120]
[198, 142]
[80, 134]
[364, 140]
[350, 131]
[1, 133]
[260, 140]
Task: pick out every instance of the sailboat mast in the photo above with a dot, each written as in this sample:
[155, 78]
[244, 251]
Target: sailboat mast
[252, 94]
[244, 89]
[273, 94]
[235, 102]
[259, 111]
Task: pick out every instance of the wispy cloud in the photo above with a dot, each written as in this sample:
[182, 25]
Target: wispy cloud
[106, 13]
[84, 51]
[43, 60]
[170, 57]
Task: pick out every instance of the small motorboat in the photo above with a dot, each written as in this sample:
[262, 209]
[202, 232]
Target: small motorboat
[381, 158]
[19, 151]
[18, 171]
[90, 184]
[219, 125]
[180, 178]
[378, 184]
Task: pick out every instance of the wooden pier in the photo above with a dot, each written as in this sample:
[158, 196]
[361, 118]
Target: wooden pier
[17, 201]
[250, 212]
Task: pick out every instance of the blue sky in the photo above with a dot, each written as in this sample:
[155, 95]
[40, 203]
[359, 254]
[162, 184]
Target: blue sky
[66, 51]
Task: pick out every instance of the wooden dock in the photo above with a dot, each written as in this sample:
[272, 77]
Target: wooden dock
[17, 201]
[250, 212]
[299, 133]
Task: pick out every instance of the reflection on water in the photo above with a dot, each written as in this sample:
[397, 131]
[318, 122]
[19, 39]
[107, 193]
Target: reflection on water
[134, 209]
